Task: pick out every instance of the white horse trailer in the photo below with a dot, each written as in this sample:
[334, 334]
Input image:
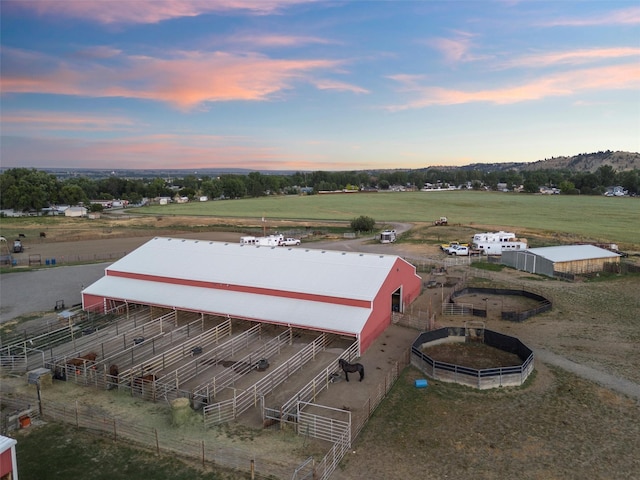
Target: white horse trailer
[496, 248]
[492, 237]
[388, 236]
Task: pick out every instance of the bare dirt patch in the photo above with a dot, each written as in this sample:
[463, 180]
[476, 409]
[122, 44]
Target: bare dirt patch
[472, 355]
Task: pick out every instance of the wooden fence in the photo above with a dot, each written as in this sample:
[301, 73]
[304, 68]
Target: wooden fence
[205, 451]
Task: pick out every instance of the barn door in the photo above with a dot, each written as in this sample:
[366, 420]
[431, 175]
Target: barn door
[396, 300]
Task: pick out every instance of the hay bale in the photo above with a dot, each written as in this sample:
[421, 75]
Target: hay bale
[180, 412]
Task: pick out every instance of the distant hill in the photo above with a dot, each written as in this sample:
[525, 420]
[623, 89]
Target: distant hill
[584, 162]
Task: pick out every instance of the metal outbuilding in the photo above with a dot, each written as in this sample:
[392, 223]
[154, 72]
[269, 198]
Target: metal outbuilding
[326, 290]
[566, 259]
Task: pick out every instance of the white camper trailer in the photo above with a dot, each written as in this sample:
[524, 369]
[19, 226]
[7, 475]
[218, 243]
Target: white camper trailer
[388, 236]
[494, 237]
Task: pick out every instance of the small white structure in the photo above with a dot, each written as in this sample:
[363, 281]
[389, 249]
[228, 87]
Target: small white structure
[75, 212]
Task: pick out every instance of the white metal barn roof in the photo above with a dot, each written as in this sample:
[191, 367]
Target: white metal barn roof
[282, 310]
[291, 269]
[355, 276]
[570, 253]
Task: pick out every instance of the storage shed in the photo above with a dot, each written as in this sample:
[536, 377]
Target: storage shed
[567, 259]
[75, 212]
[338, 292]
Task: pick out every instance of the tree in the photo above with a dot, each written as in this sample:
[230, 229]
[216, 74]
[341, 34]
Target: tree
[73, 195]
[363, 224]
[568, 188]
[233, 186]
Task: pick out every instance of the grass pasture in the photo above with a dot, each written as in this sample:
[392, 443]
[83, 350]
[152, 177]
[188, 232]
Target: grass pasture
[588, 218]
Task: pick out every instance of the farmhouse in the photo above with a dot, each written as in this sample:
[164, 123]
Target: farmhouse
[345, 293]
[568, 259]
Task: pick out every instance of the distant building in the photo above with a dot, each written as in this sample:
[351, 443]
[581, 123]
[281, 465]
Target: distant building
[75, 212]
[616, 191]
[569, 259]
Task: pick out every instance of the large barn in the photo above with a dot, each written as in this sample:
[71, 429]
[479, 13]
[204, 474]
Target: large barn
[566, 259]
[345, 293]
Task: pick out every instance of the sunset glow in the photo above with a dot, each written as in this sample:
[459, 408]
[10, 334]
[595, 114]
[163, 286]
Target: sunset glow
[304, 85]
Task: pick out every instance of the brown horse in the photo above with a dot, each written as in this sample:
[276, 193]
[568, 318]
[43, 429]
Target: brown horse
[79, 361]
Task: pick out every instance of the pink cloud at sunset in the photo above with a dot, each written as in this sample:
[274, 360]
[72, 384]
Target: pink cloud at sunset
[340, 86]
[454, 50]
[276, 40]
[185, 80]
[560, 84]
[574, 57]
[149, 11]
[61, 121]
[627, 16]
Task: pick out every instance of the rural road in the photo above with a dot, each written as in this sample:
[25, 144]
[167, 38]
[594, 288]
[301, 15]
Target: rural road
[611, 382]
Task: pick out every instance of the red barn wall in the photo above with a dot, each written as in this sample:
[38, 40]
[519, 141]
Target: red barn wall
[402, 275]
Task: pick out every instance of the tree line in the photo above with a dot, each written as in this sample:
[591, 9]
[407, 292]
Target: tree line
[24, 189]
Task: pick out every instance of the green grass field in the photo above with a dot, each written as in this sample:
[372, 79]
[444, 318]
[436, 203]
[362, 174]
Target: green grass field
[596, 218]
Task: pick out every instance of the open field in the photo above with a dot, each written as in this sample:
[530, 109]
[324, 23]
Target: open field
[596, 218]
[577, 218]
[558, 426]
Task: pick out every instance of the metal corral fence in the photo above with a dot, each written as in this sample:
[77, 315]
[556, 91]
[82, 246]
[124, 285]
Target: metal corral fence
[481, 379]
[452, 308]
[341, 431]
[205, 451]
[188, 348]
[242, 400]
[29, 349]
[37, 260]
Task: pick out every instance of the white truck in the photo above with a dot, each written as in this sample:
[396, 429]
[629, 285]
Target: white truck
[457, 250]
[289, 242]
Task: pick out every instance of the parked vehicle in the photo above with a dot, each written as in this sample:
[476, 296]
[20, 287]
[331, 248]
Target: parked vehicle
[446, 246]
[288, 242]
[458, 250]
[268, 241]
[496, 248]
[493, 237]
[388, 236]
[441, 221]
[17, 246]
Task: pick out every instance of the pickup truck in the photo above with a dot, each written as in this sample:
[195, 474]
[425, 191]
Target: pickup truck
[457, 250]
[446, 246]
[288, 242]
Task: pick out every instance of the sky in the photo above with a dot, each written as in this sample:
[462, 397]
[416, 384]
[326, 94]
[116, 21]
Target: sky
[315, 85]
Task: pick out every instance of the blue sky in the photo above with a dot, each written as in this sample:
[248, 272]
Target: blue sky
[315, 85]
